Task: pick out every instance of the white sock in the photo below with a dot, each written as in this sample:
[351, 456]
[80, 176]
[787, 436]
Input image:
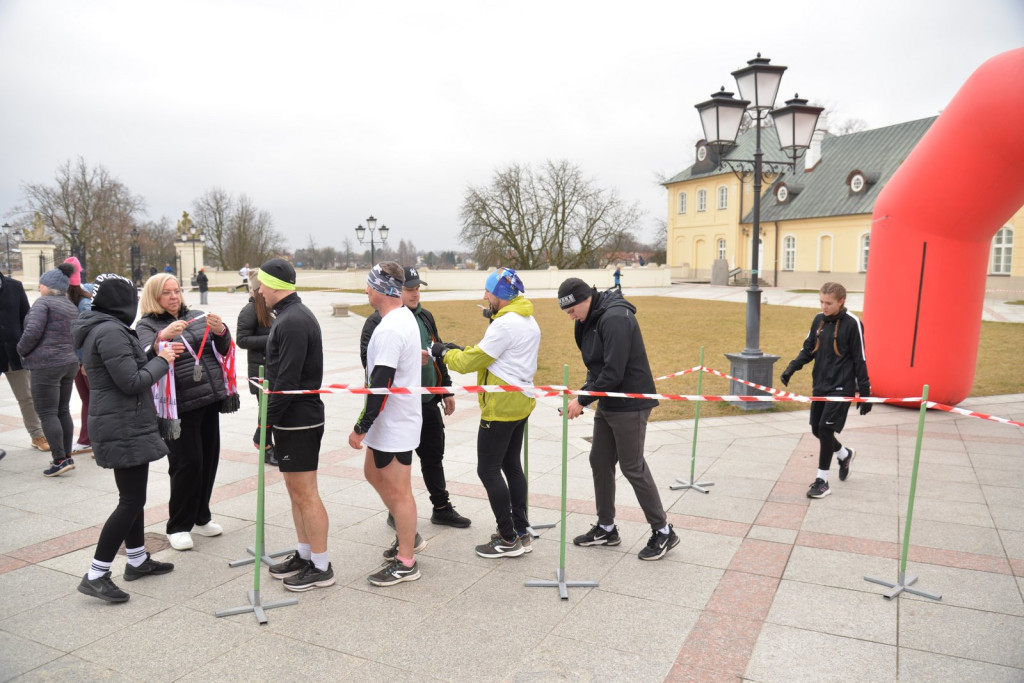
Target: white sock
[607, 527]
[320, 560]
[98, 569]
[136, 556]
[664, 530]
[823, 475]
[843, 453]
[304, 550]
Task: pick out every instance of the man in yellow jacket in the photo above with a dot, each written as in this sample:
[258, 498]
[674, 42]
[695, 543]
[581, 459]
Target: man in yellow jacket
[506, 355]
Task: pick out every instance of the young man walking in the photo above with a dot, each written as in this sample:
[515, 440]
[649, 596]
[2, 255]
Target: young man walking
[434, 374]
[506, 355]
[295, 360]
[836, 345]
[390, 424]
[609, 338]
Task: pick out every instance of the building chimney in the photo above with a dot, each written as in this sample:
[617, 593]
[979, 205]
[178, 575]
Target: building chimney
[814, 150]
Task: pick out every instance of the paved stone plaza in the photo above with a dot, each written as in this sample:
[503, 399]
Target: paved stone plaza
[766, 585]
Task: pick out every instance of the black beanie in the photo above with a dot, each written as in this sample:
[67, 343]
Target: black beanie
[572, 292]
[116, 296]
[280, 269]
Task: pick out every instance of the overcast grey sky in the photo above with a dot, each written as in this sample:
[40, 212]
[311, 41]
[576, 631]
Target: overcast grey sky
[324, 112]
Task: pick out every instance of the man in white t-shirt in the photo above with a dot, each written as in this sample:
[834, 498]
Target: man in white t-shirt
[506, 355]
[390, 423]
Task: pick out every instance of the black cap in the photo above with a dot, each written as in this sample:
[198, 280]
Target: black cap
[412, 278]
[280, 269]
[116, 295]
[572, 292]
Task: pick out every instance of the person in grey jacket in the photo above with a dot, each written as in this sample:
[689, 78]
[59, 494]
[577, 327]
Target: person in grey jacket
[199, 385]
[45, 349]
[125, 434]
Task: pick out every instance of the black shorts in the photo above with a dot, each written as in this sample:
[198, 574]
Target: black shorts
[831, 412]
[383, 458]
[298, 450]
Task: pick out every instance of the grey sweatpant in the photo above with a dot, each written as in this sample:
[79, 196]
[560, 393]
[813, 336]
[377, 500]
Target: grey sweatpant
[619, 438]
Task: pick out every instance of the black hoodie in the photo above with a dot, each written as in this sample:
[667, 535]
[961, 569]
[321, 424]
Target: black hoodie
[614, 353]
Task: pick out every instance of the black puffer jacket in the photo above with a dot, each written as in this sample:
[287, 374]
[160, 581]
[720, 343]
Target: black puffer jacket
[209, 389]
[614, 353]
[13, 309]
[122, 414]
[252, 337]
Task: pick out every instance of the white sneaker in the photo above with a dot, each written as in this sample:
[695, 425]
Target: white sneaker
[80, 448]
[181, 540]
[211, 528]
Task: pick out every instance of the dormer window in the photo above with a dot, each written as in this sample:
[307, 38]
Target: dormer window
[782, 194]
[860, 180]
[785, 192]
[857, 183]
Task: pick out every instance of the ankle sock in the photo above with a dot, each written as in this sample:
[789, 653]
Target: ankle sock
[407, 561]
[843, 453]
[607, 527]
[136, 556]
[98, 569]
[664, 530]
[304, 550]
[320, 560]
[823, 475]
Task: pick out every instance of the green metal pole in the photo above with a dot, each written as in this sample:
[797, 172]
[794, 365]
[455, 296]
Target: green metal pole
[565, 465]
[696, 415]
[913, 480]
[259, 487]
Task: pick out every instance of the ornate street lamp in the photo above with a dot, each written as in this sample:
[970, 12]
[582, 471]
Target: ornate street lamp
[371, 223]
[134, 249]
[721, 116]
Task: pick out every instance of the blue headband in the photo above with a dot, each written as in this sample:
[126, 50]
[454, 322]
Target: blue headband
[504, 283]
[386, 284]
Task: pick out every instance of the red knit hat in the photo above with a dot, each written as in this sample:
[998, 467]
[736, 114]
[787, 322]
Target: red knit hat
[76, 279]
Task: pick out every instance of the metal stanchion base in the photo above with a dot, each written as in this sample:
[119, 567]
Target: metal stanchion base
[256, 607]
[561, 584]
[683, 484]
[532, 528]
[901, 585]
[266, 557]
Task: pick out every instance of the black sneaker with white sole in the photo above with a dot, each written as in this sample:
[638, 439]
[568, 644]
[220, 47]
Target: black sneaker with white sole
[310, 577]
[59, 467]
[394, 572]
[392, 552]
[525, 540]
[598, 536]
[290, 567]
[819, 489]
[844, 465]
[499, 547]
[659, 544]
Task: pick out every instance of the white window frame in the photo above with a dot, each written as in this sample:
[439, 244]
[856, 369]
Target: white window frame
[864, 244]
[721, 247]
[723, 197]
[1001, 256]
[702, 200]
[681, 206]
[789, 253]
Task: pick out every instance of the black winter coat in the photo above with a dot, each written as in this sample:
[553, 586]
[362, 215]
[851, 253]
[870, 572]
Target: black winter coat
[210, 388]
[13, 309]
[614, 353]
[252, 337]
[122, 413]
[840, 369]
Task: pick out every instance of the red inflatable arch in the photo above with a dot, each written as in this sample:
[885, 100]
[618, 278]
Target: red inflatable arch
[931, 232]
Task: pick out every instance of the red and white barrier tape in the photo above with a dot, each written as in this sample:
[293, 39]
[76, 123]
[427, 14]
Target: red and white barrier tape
[972, 413]
[695, 368]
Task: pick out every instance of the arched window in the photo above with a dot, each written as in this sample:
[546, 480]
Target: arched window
[721, 248]
[1002, 252]
[723, 197]
[702, 200]
[789, 252]
[865, 241]
[682, 202]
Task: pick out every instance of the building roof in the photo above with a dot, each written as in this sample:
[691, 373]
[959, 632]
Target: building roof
[825, 189]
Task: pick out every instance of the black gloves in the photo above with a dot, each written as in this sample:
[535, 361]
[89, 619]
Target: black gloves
[864, 408]
[786, 375]
[440, 348]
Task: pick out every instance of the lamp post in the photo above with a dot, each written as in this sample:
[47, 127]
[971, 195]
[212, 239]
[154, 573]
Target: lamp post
[758, 85]
[8, 229]
[371, 223]
[134, 249]
[77, 248]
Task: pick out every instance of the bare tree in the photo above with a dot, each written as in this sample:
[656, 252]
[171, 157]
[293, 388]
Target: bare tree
[347, 245]
[237, 231]
[90, 200]
[406, 253]
[213, 212]
[554, 217]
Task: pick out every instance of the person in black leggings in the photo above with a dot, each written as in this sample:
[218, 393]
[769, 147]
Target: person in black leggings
[121, 372]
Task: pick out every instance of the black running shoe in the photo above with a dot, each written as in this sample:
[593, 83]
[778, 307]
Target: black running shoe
[525, 540]
[598, 536]
[149, 567]
[310, 577]
[499, 547]
[659, 544]
[290, 567]
[392, 552]
[844, 465]
[394, 572]
[102, 588]
[819, 489]
[447, 516]
[58, 468]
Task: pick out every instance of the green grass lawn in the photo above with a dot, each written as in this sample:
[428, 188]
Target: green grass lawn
[675, 329]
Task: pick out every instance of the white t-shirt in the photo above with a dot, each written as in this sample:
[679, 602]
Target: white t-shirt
[513, 341]
[396, 344]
